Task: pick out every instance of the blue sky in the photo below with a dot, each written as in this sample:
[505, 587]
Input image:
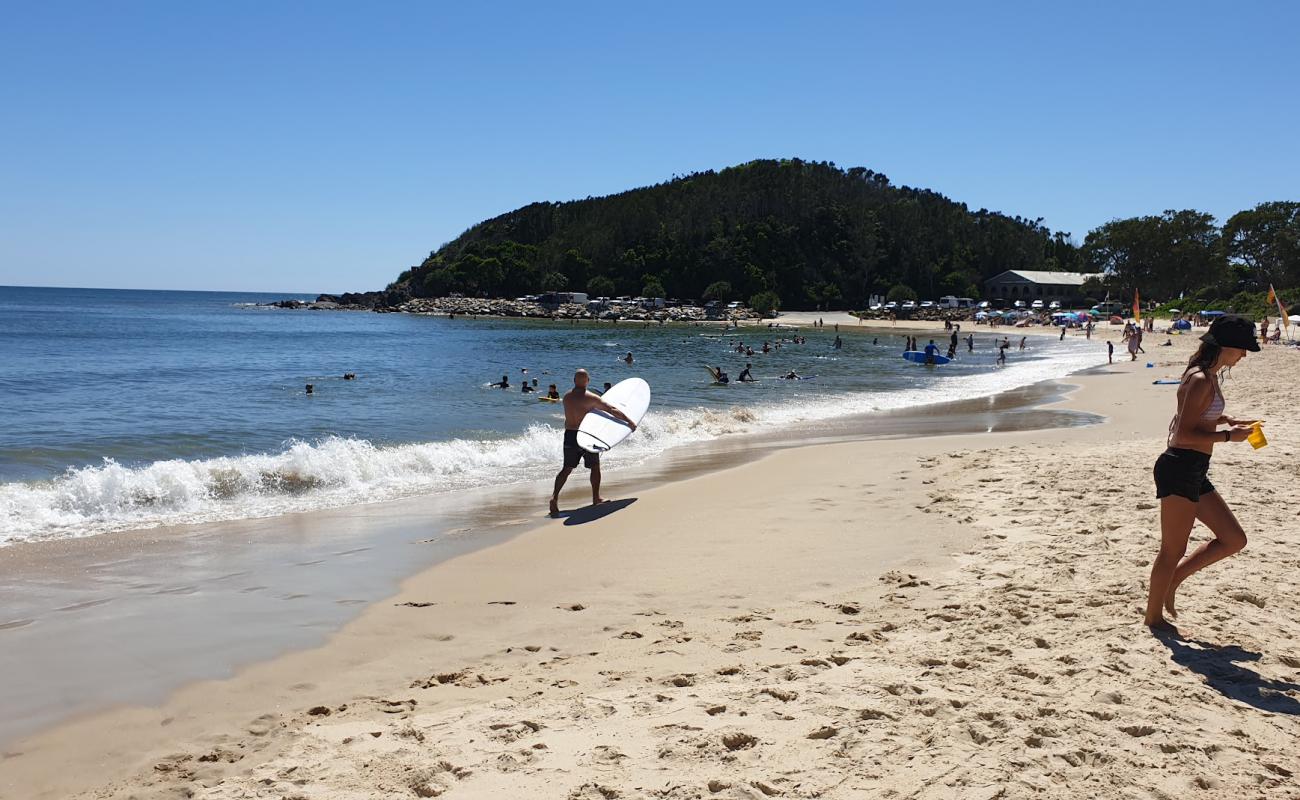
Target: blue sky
[319, 146]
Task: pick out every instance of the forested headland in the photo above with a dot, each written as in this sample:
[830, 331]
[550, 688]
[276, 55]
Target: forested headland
[799, 234]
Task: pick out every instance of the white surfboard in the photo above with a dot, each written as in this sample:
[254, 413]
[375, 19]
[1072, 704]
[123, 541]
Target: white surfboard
[600, 431]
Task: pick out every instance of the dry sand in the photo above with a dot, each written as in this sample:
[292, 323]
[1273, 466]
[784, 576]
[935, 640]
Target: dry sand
[946, 617]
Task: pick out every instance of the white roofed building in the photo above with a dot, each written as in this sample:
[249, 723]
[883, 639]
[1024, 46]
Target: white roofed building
[1028, 284]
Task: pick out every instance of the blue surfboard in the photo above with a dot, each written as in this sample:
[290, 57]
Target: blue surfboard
[918, 357]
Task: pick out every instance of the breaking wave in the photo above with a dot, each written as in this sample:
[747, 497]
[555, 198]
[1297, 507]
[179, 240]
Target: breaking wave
[333, 471]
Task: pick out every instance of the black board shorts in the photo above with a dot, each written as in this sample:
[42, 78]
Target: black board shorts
[1184, 473]
[573, 454]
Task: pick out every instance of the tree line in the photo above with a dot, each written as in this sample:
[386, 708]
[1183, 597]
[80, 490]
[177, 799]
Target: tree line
[803, 234]
[1185, 256]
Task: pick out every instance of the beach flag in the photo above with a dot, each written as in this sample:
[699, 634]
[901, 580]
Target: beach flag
[1137, 306]
[1281, 309]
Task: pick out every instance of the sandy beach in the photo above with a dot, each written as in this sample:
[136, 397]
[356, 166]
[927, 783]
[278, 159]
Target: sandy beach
[955, 616]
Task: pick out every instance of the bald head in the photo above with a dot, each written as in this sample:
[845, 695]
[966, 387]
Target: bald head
[581, 379]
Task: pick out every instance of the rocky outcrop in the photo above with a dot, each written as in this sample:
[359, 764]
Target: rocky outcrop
[470, 306]
[400, 301]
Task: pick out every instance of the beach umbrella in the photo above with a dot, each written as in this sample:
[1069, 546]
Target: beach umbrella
[1211, 313]
[1295, 318]
[981, 315]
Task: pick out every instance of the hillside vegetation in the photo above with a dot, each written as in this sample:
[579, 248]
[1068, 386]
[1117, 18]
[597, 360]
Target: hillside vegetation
[801, 234]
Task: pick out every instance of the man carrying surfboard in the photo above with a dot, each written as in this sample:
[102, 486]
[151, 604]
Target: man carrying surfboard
[578, 402]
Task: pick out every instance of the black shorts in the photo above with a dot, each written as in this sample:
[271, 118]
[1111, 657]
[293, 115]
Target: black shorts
[1183, 473]
[573, 454]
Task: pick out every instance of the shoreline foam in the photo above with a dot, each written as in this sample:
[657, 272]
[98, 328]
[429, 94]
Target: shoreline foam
[337, 472]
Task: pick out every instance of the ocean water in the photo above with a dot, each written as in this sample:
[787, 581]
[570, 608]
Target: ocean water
[132, 409]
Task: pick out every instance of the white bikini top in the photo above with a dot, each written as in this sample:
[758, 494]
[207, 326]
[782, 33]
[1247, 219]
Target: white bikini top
[1211, 414]
[1215, 409]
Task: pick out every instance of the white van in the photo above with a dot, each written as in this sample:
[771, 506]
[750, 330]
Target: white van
[951, 301]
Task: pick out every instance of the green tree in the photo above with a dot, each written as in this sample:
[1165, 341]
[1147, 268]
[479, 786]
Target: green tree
[900, 293]
[718, 290]
[600, 286]
[554, 282]
[765, 303]
[1178, 252]
[1266, 239]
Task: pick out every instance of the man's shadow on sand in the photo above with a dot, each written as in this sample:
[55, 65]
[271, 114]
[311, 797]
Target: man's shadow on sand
[1218, 664]
[581, 516]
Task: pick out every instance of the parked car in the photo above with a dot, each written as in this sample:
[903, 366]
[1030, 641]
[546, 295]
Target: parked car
[1037, 305]
[891, 305]
[734, 304]
[1018, 304]
[908, 305]
[984, 305]
[927, 304]
[875, 307]
[1055, 305]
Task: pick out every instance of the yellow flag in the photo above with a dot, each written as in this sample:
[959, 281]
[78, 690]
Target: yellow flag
[1137, 306]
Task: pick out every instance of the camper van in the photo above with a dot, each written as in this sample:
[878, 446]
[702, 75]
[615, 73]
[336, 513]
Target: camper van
[951, 301]
[1112, 309]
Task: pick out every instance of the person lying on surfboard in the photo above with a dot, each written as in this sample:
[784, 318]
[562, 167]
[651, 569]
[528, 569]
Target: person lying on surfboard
[578, 402]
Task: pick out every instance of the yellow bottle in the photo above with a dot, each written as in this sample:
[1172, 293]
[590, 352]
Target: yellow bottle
[1256, 437]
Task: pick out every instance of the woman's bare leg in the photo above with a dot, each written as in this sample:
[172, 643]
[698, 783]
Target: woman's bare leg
[1228, 538]
[1176, 517]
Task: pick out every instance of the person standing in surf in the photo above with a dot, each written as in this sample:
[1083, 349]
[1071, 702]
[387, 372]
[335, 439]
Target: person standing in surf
[1181, 472]
[578, 402]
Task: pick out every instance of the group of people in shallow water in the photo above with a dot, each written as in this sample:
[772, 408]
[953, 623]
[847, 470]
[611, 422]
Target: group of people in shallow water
[532, 386]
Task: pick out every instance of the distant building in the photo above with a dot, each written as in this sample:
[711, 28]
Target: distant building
[1030, 285]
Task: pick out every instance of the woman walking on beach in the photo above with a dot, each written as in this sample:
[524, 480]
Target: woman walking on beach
[1182, 485]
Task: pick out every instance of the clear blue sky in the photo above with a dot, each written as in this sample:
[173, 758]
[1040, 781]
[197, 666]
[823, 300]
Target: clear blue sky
[318, 146]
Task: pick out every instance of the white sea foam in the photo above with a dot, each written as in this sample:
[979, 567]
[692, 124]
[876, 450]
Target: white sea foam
[335, 471]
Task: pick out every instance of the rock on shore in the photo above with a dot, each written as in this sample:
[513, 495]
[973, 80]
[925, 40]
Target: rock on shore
[471, 306]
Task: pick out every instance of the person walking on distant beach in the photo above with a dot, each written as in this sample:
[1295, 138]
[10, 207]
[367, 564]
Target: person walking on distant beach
[1002, 352]
[970, 342]
[1062, 339]
[1181, 472]
[1110, 352]
[1022, 342]
[578, 401]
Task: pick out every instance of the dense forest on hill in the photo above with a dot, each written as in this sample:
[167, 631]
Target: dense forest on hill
[802, 234]
[808, 232]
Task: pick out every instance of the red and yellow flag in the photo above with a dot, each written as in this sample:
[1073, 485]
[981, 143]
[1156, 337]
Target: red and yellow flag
[1281, 309]
[1137, 306]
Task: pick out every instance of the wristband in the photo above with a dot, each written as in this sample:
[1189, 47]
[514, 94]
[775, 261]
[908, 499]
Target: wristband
[1227, 436]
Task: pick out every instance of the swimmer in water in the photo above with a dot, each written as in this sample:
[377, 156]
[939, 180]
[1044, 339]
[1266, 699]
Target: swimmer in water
[745, 377]
[554, 393]
[791, 376]
[627, 359]
[504, 383]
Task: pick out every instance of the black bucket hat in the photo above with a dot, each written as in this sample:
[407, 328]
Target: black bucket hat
[1232, 330]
